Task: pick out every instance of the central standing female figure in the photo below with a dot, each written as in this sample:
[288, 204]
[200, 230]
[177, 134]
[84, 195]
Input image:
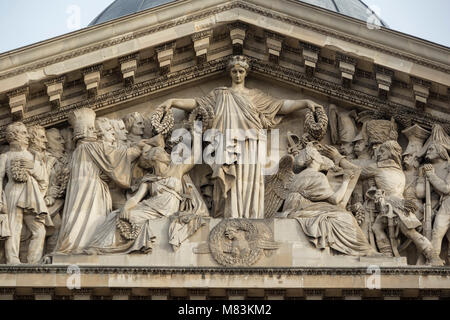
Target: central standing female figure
[241, 114]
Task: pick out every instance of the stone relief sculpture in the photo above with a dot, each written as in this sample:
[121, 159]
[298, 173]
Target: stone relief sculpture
[435, 177]
[411, 162]
[241, 110]
[160, 194]
[240, 242]
[120, 131]
[102, 186]
[23, 195]
[134, 124]
[389, 177]
[88, 199]
[319, 209]
[58, 178]
[105, 131]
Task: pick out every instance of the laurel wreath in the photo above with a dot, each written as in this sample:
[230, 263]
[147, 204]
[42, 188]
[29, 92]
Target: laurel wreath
[316, 124]
[217, 243]
[19, 173]
[203, 114]
[162, 122]
[127, 230]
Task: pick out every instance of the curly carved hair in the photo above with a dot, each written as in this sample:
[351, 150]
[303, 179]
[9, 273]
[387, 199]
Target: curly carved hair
[395, 149]
[130, 118]
[11, 131]
[239, 60]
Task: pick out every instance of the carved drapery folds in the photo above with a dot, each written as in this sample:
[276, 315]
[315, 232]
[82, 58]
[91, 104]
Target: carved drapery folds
[346, 181]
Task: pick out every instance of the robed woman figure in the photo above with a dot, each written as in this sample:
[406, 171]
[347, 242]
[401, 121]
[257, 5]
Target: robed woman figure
[240, 117]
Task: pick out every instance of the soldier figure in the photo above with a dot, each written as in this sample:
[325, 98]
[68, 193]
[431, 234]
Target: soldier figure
[437, 174]
[390, 179]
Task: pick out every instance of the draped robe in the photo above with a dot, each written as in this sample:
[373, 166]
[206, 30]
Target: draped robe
[239, 181]
[88, 200]
[326, 224]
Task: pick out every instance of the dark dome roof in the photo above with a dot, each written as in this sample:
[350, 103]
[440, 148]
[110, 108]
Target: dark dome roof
[119, 8]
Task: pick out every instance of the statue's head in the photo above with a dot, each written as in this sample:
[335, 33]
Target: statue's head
[360, 144]
[436, 151]
[134, 123]
[377, 195]
[38, 138]
[410, 160]
[306, 157]
[55, 140]
[346, 148]
[238, 67]
[231, 232]
[120, 129]
[17, 133]
[105, 130]
[152, 156]
[83, 124]
[390, 150]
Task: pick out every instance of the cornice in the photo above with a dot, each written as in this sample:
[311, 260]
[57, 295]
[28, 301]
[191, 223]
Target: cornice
[239, 4]
[403, 114]
[298, 271]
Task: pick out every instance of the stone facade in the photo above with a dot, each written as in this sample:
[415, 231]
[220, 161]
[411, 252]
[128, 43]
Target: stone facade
[94, 172]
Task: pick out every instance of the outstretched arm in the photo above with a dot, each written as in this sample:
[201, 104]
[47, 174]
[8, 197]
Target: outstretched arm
[290, 106]
[183, 104]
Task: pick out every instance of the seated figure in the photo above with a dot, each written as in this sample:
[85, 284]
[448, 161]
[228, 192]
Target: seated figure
[160, 194]
[318, 209]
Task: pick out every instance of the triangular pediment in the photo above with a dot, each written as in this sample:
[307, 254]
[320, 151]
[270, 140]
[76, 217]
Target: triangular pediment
[127, 60]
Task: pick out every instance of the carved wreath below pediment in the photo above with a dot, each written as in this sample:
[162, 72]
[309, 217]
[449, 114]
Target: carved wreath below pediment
[240, 242]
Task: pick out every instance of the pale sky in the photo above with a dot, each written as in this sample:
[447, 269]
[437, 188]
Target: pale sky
[24, 22]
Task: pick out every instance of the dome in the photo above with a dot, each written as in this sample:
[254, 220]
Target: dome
[120, 8]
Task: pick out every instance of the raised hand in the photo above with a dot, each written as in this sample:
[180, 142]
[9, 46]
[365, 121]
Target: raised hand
[330, 152]
[428, 169]
[311, 105]
[166, 105]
